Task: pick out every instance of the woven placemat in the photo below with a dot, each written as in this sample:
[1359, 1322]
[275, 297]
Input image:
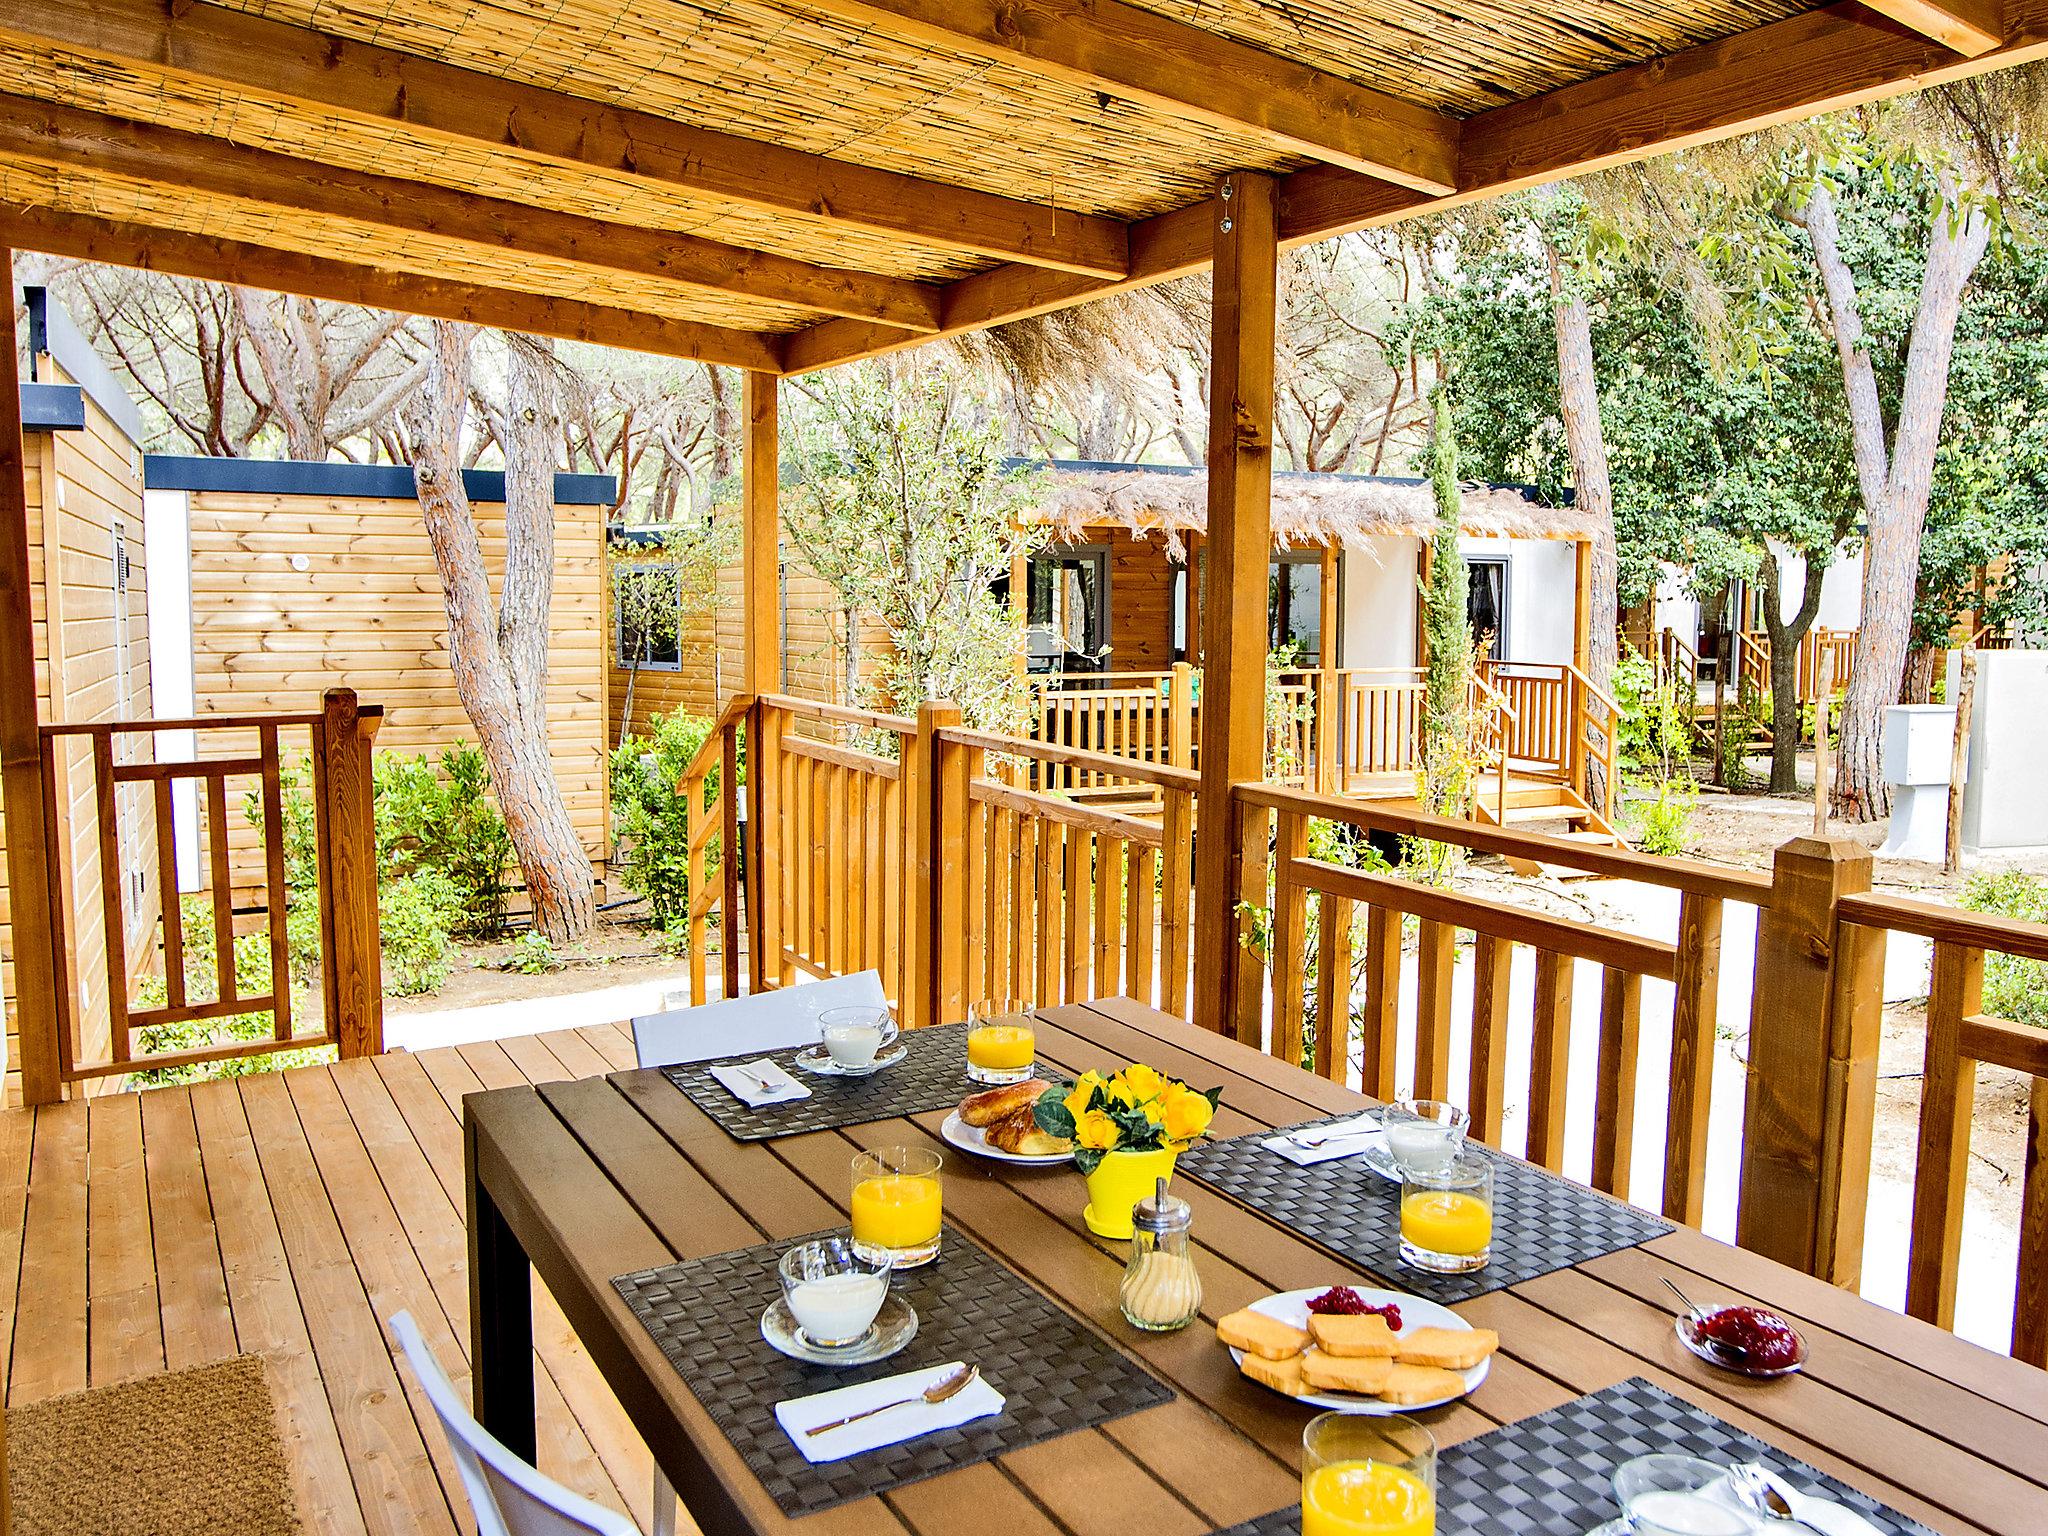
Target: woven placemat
[1541, 1222]
[1055, 1373]
[180, 1453]
[931, 1075]
[1551, 1475]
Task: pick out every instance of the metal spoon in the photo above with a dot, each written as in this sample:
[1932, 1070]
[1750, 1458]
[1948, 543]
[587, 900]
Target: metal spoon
[937, 1392]
[1733, 1353]
[1756, 1490]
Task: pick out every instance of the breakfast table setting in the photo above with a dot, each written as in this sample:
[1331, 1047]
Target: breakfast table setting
[1068, 1269]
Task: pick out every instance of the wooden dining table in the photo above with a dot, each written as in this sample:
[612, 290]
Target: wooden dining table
[588, 1180]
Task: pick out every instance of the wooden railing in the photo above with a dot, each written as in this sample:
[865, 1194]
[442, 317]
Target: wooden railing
[1561, 724]
[1679, 664]
[134, 862]
[711, 823]
[1347, 900]
[1960, 1038]
[1146, 717]
[1822, 653]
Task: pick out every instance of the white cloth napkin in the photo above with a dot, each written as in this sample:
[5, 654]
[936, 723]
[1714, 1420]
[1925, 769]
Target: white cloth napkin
[744, 1080]
[1823, 1515]
[1348, 1138]
[976, 1400]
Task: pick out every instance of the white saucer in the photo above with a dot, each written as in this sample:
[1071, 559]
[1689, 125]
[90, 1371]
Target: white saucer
[971, 1138]
[819, 1064]
[894, 1326]
[1292, 1307]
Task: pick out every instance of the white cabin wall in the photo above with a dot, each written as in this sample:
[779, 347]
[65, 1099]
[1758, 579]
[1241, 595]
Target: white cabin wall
[1841, 589]
[1542, 581]
[1378, 585]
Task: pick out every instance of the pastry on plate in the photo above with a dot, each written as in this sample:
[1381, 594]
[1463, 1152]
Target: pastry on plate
[1354, 1336]
[1019, 1133]
[986, 1108]
[1331, 1373]
[1280, 1375]
[1448, 1349]
[1409, 1384]
[1260, 1335]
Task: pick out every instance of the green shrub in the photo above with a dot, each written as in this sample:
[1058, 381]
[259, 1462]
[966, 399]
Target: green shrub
[1663, 819]
[438, 815]
[2014, 988]
[532, 954]
[415, 915]
[650, 822]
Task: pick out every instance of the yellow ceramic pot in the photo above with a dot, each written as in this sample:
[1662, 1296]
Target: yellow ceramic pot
[1118, 1183]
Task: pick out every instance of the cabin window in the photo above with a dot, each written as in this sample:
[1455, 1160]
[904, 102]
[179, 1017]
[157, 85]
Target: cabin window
[1486, 605]
[1294, 607]
[1068, 613]
[647, 611]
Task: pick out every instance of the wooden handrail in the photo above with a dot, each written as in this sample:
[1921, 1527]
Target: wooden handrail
[812, 709]
[1951, 925]
[193, 723]
[1673, 874]
[1067, 812]
[1076, 757]
[705, 758]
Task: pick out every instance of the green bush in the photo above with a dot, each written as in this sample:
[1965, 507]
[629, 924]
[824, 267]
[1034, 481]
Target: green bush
[438, 815]
[2014, 989]
[650, 822]
[415, 914]
[532, 954]
[1662, 820]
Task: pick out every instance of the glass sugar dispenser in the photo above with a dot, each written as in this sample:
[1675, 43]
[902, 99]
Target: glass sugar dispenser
[1161, 1289]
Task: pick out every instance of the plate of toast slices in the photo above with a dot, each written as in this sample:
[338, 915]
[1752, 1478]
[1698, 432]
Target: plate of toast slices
[1360, 1350]
[998, 1124]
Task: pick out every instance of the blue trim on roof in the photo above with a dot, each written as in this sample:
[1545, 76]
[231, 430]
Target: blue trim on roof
[52, 408]
[1527, 492]
[377, 482]
[51, 332]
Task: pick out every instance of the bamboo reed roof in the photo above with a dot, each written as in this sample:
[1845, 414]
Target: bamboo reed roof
[1308, 509]
[786, 184]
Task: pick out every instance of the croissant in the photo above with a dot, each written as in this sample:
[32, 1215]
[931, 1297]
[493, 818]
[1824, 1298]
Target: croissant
[989, 1107]
[1019, 1133]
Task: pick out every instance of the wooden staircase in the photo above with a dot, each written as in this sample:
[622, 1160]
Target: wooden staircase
[1539, 805]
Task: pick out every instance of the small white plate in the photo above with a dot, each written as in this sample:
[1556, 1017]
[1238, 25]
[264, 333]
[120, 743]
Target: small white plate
[971, 1138]
[1291, 1307]
[816, 1061]
[894, 1326]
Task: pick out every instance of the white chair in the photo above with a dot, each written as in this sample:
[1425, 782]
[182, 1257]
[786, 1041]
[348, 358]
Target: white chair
[760, 1021]
[510, 1497]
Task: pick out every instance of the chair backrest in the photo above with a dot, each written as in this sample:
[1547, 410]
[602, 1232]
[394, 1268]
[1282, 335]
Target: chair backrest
[760, 1021]
[510, 1497]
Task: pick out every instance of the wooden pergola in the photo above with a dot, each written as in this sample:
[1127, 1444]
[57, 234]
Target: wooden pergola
[785, 185]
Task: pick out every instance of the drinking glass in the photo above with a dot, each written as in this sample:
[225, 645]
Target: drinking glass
[1001, 1045]
[1664, 1495]
[1424, 1134]
[1367, 1476]
[833, 1291]
[1447, 1216]
[896, 1205]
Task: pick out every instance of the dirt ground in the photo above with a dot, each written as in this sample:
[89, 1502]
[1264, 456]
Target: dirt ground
[620, 949]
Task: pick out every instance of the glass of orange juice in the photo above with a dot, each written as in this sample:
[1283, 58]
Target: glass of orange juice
[1367, 1476]
[896, 1205]
[1447, 1215]
[1001, 1045]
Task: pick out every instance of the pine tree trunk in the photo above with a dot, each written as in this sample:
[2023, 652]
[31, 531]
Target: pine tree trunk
[558, 876]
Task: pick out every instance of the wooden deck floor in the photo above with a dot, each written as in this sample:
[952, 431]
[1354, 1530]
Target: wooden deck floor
[287, 1214]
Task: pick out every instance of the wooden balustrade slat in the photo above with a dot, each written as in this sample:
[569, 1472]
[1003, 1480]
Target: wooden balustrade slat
[150, 773]
[2030, 1302]
[1079, 851]
[194, 1013]
[1333, 988]
[165, 816]
[1492, 962]
[696, 835]
[1550, 1058]
[113, 876]
[1614, 1102]
[161, 1061]
[1109, 915]
[1695, 1012]
[1023, 905]
[2001, 1043]
[1380, 1023]
[729, 847]
[839, 858]
[1176, 828]
[65, 1024]
[1436, 958]
[974, 936]
[1941, 1175]
[1139, 924]
[222, 887]
[1290, 921]
[1051, 860]
[273, 878]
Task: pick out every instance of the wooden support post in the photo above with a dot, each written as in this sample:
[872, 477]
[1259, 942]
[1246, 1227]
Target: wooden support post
[760, 540]
[923, 793]
[1020, 605]
[354, 972]
[1227, 985]
[1800, 1157]
[1180, 716]
[1328, 620]
[1328, 703]
[1192, 629]
[764, 847]
[31, 896]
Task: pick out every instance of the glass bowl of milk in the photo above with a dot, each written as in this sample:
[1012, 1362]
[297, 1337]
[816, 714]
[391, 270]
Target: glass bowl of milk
[833, 1292]
[1424, 1135]
[1671, 1495]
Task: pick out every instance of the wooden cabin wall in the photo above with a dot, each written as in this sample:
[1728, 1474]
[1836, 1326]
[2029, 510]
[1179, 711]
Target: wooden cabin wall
[367, 613]
[97, 475]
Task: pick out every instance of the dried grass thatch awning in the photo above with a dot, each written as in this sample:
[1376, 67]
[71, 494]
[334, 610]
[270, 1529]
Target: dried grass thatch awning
[1307, 509]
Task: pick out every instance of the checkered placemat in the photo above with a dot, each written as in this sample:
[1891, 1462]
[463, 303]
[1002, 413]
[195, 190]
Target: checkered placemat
[1541, 1222]
[1551, 1475]
[931, 1075]
[1055, 1373]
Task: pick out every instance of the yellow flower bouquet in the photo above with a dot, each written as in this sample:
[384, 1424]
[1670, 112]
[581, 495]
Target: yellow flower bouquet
[1139, 1109]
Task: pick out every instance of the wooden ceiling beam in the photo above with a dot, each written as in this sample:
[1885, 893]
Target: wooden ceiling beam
[1968, 27]
[272, 60]
[1778, 73]
[1188, 72]
[281, 271]
[71, 138]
